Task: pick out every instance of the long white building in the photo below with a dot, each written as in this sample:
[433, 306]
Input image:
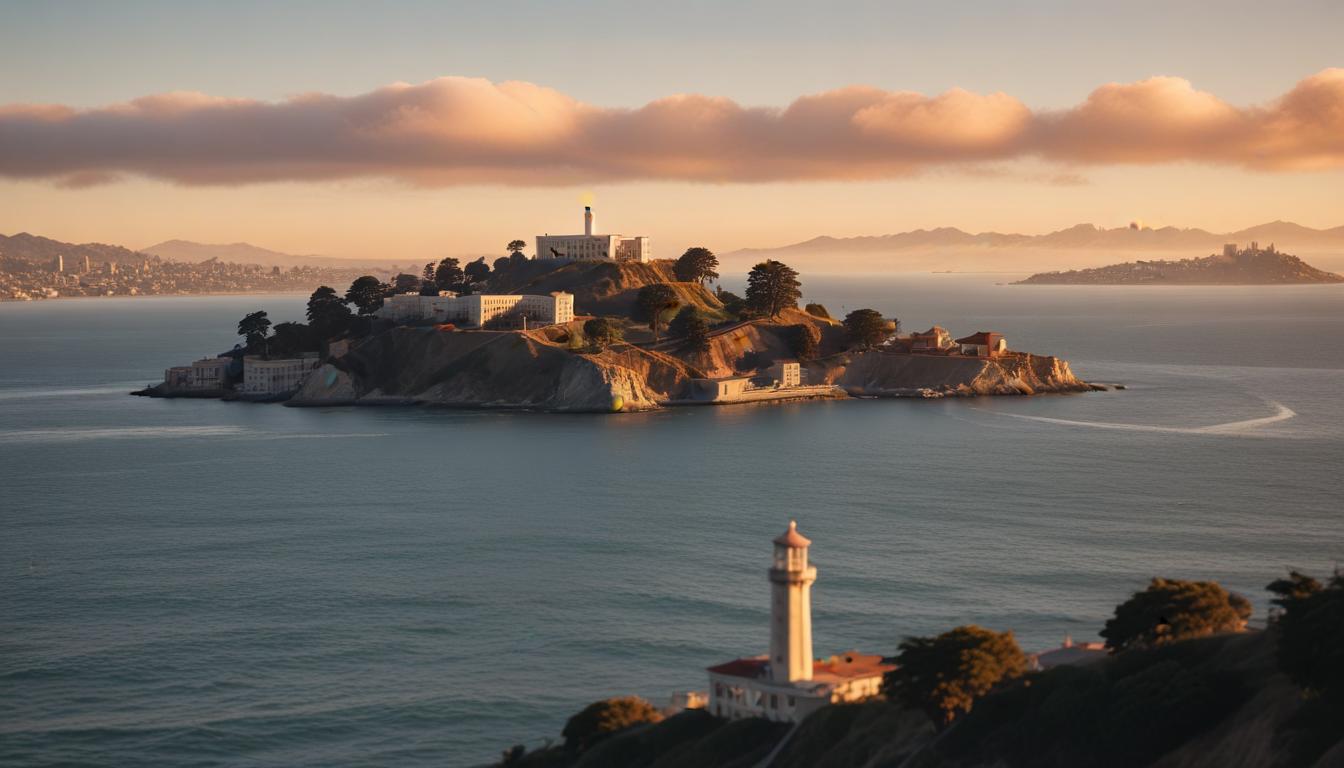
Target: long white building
[278, 376]
[479, 309]
[594, 247]
[788, 684]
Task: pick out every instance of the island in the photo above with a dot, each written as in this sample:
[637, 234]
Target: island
[595, 324]
[1234, 266]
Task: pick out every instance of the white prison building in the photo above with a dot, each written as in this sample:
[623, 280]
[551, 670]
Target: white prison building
[788, 684]
[276, 377]
[594, 247]
[478, 309]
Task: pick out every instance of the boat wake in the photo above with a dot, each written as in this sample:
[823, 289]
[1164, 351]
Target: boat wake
[1282, 413]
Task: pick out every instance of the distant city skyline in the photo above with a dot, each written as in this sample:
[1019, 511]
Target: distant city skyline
[1210, 115]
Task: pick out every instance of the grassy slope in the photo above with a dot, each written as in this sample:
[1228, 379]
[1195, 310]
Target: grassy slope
[602, 287]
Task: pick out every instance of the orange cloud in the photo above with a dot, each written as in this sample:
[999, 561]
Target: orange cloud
[457, 130]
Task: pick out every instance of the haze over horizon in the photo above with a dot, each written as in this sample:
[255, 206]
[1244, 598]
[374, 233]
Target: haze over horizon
[455, 130]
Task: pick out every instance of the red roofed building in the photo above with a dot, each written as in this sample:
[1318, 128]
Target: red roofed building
[983, 344]
[936, 339]
[789, 683]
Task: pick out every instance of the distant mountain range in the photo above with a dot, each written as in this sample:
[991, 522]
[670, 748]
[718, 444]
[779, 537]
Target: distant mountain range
[24, 249]
[954, 249]
[246, 253]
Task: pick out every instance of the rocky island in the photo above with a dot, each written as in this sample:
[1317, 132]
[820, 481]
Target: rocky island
[647, 334]
[1234, 266]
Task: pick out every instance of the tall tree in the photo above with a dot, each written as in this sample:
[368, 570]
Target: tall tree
[601, 332]
[1172, 609]
[696, 265]
[254, 327]
[772, 286]
[804, 341]
[477, 273]
[653, 301]
[516, 247]
[328, 315]
[1311, 635]
[366, 293]
[691, 327]
[404, 283]
[448, 275]
[427, 274]
[945, 675]
[865, 327]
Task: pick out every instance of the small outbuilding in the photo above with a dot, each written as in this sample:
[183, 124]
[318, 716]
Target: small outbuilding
[983, 344]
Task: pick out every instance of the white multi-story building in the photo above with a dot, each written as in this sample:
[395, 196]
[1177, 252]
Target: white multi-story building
[789, 684]
[210, 372]
[594, 247]
[276, 377]
[479, 309]
[409, 307]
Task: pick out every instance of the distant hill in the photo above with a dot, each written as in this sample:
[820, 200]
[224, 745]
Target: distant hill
[246, 253]
[23, 250]
[1245, 267]
[949, 248]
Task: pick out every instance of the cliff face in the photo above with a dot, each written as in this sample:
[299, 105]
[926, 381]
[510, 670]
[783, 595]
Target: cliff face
[536, 369]
[884, 374]
[485, 369]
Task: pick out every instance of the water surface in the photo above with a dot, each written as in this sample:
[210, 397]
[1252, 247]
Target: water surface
[204, 583]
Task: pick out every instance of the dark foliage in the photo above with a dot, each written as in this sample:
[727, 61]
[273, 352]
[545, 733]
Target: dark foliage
[366, 293]
[804, 340]
[1170, 610]
[696, 265]
[945, 675]
[772, 287]
[865, 327]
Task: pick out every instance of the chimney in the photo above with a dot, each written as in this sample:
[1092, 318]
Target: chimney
[587, 219]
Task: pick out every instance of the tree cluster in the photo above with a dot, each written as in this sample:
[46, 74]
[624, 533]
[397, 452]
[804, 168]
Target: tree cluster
[946, 674]
[1310, 626]
[691, 327]
[653, 302]
[865, 328]
[1170, 610]
[603, 718]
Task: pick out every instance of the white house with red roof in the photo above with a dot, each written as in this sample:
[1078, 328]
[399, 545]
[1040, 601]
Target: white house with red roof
[789, 683]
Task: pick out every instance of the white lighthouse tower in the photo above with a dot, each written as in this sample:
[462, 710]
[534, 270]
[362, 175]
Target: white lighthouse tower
[791, 608]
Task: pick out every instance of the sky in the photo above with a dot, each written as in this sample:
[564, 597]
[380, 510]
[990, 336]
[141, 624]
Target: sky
[419, 130]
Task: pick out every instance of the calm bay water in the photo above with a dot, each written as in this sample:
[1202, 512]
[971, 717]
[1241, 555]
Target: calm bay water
[204, 583]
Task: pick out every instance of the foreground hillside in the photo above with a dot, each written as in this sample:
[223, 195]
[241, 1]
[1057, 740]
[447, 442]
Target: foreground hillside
[1218, 701]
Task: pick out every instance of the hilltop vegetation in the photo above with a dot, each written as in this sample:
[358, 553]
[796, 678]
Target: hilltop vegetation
[604, 287]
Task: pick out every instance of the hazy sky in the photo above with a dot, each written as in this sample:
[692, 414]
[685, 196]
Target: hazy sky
[1029, 139]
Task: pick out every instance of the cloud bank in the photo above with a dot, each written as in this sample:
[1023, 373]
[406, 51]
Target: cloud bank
[457, 130]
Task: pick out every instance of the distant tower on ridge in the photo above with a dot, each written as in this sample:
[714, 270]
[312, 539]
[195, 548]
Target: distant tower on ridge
[791, 608]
